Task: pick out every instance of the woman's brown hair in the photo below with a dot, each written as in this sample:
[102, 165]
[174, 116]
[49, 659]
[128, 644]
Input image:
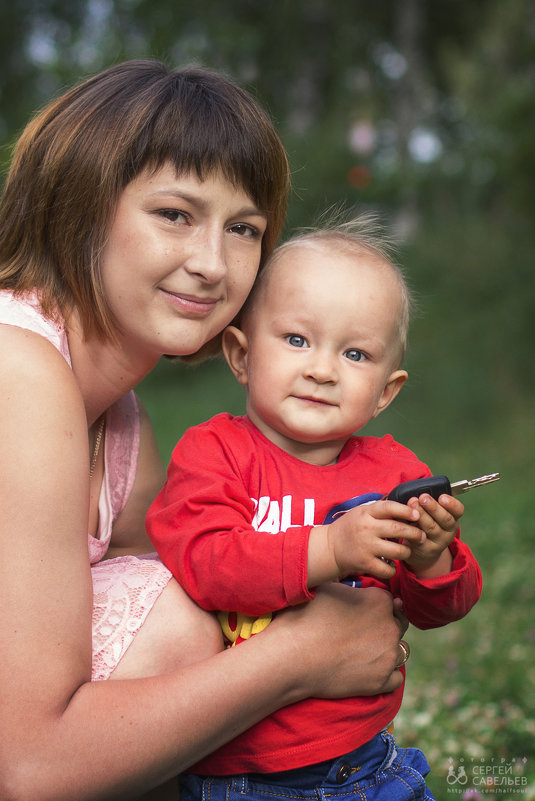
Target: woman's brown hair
[76, 156]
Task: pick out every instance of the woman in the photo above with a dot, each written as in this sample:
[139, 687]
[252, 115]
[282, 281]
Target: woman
[137, 211]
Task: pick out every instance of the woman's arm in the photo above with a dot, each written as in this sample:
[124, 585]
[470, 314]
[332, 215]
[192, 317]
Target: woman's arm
[116, 739]
[62, 734]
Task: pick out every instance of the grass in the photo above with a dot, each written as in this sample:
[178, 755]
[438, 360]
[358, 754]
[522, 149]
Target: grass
[470, 692]
[470, 696]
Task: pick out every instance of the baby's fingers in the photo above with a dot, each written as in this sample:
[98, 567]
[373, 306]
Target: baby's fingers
[437, 516]
[383, 510]
[452, 505]
[403, 521]
[396, 551]
[390, 551]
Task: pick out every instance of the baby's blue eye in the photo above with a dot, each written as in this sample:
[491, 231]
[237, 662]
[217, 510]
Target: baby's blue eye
[296, 341]
[355, 355]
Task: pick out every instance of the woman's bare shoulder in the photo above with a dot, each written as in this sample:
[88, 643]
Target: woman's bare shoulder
[42, 416]
[23, 348]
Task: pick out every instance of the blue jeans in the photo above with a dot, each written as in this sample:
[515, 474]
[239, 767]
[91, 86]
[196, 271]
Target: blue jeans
[377, 771]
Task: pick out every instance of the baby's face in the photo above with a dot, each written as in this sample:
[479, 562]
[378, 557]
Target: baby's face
[323, 339]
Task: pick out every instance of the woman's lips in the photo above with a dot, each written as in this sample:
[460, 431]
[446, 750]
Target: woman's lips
[191, 304]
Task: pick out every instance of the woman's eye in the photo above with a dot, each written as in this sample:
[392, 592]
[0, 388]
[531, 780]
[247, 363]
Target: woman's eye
[245, 230]
[296, 341]
[355, 355]
[174, 215]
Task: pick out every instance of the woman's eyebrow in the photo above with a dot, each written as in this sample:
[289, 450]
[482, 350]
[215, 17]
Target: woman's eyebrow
[203, 204]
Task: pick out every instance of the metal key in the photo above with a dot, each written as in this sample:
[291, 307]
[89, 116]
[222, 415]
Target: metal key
[436, 486]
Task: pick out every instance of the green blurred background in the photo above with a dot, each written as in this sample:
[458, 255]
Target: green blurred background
[424, 111]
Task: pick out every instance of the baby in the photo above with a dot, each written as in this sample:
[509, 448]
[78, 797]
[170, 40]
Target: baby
[258, 510]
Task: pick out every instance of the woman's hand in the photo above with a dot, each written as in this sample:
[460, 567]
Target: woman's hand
[346, 641]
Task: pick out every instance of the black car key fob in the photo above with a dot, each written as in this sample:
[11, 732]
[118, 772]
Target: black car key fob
[437, 486]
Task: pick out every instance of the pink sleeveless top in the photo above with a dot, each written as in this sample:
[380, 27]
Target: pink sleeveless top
[126, 588]
[122, 422]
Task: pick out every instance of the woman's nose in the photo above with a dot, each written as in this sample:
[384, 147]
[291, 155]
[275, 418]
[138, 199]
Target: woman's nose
[207, 258]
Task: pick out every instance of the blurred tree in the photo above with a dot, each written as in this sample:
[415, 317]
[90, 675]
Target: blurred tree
[422, 109]
[393, 97]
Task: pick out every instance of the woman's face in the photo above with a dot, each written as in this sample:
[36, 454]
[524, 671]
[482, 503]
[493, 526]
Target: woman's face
[180, 260]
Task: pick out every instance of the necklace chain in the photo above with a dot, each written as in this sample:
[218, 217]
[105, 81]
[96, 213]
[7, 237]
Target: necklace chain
[96, 449]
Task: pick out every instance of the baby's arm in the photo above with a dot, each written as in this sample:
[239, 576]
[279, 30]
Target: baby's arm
[201, 525]
[441, 580]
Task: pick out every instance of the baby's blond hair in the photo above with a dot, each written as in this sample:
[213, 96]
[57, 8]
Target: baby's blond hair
[360, 234]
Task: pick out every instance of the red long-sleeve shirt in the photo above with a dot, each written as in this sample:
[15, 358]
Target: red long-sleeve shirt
[232, 523]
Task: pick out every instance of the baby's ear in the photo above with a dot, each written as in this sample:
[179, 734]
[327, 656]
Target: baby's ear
[235, 349]
[392, 387]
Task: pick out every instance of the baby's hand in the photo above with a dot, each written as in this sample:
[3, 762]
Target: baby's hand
[367, 538]
[439, 520]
